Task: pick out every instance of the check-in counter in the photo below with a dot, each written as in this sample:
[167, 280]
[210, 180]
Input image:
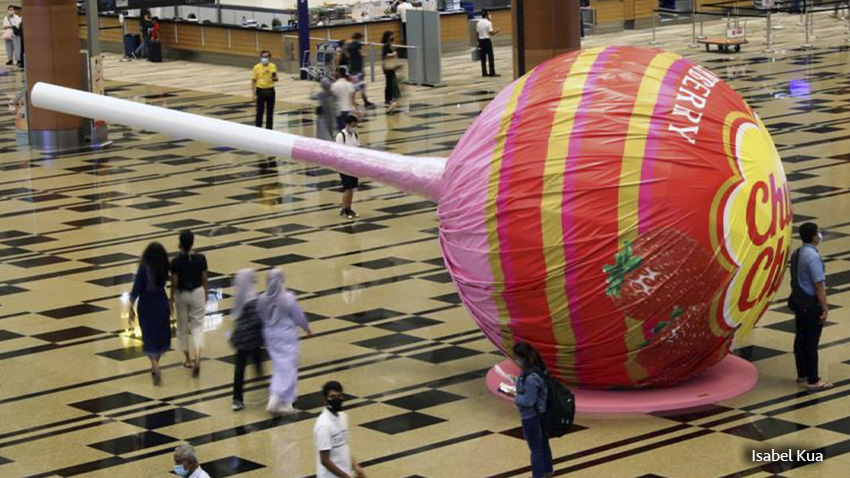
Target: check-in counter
[236, 45]
[616, 15]
[239, 45]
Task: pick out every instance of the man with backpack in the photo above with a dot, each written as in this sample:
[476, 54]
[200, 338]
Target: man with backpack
[247, 336]
[808, 302]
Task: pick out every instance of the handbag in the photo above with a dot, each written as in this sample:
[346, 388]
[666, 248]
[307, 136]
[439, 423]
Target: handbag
[476, 54]
[392, 63]
[7, 34]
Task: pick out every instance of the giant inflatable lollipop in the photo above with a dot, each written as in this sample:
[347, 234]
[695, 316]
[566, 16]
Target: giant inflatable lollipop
[622, 209]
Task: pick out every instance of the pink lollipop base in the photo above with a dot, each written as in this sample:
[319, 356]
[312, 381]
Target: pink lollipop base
[733, 376]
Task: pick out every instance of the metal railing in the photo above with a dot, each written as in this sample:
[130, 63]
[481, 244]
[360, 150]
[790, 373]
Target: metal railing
[373, 60]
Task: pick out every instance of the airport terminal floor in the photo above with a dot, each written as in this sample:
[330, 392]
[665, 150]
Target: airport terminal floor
[76, 397]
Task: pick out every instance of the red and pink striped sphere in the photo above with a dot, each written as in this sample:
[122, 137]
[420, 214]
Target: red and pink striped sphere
[621, 209]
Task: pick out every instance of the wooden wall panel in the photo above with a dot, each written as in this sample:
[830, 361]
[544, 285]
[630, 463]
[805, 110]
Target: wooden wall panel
[608, 11]
[644, 8]
[503, 21]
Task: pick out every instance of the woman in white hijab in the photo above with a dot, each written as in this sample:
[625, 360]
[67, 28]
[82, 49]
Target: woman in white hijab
[281, 316]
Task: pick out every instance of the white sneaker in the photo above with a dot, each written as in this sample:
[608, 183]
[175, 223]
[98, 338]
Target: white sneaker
[285, 409]
[273, 404]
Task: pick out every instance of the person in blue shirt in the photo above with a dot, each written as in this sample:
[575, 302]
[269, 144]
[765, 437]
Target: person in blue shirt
[808, 301]
[530, 399]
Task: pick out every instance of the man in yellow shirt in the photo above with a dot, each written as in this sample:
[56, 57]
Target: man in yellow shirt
[262, 82]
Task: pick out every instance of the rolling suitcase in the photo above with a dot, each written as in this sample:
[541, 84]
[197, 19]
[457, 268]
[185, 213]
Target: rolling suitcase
[155, 51]
[131, 43]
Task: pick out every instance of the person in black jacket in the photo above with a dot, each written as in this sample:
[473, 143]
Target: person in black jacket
[247, 337]
[145, 25]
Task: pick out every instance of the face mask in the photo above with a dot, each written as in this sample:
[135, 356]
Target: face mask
[820, 237]
[335, 404]
[180, 470]
[264, 61]
[11, 13]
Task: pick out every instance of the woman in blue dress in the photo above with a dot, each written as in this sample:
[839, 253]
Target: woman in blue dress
[154, 309]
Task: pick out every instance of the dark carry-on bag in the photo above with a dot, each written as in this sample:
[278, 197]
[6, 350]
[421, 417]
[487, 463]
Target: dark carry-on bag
[131, 43]
[155, 51]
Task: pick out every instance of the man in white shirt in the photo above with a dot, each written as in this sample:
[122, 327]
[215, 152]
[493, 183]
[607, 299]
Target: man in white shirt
[186, 463]
[343, 90]
[333, 457]
[402, 9]
[485, 44]
[349, 137]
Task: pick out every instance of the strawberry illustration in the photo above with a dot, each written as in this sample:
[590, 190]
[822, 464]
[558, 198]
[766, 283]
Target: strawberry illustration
[672, 344]
[660, 271]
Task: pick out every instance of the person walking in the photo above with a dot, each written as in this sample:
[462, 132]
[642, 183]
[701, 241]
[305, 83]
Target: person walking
[355, 66]
[281, 316]
[349, 137]
[530, 398]
[330, 435]
[325, 111]
[186, 463]
[391, 65]
[341, 57]
[13, 40]
[189, 289]
[154, 310]
[145, 24]
[809, 304]
[485, 43]
[344, 91]
[247, 337]
[262, 84]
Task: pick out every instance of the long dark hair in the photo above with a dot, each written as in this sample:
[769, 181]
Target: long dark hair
[530, 356]
[386, 38]
[155, 258]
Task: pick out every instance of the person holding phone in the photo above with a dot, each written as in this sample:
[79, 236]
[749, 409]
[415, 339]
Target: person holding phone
[530, 397]
[262, 83]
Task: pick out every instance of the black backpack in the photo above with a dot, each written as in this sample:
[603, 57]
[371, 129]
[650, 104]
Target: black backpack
[560, 408]
[248, 332]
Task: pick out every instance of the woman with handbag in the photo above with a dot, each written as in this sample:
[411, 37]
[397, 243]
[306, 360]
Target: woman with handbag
[13, 40]
[391, 65]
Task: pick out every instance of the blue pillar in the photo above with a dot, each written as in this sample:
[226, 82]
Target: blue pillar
[303, 33]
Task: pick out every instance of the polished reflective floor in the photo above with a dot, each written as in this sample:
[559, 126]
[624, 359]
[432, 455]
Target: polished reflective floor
[76, 397]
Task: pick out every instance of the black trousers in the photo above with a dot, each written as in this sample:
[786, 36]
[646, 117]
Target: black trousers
[265, 105]
[391, 90]
[806, 341]
[242, 357]
[486, 47]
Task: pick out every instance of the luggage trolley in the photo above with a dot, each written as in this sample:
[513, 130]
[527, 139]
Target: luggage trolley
[323, 66]
[736, 35]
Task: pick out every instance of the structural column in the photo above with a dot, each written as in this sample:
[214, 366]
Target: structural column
[53, 56]
[544, 29]
[303, 34]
